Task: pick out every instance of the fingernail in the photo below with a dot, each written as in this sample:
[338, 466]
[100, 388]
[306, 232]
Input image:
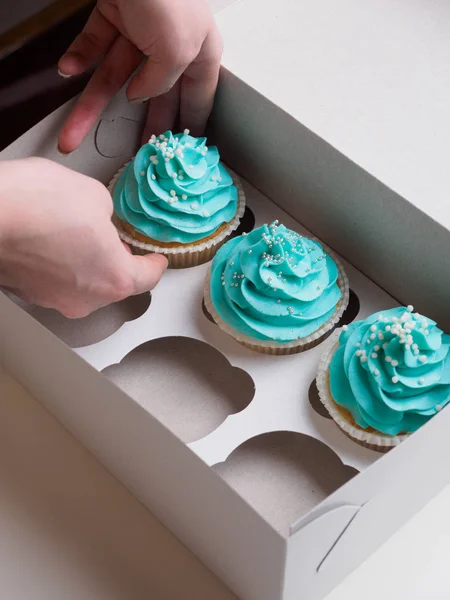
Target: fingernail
[139, 100]
[64, 75]
[61, 152]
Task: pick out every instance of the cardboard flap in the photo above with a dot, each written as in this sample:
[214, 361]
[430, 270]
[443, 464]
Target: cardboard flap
[329, 527]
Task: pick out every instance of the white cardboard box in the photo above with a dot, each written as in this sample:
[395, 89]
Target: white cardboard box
[277, 524]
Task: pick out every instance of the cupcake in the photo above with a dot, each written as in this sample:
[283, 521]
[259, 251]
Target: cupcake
[176, 198]
[386, 376]
[275, 291]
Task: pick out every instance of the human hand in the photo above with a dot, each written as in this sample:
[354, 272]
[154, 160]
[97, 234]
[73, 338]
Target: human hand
[58, 247]
[182, 49]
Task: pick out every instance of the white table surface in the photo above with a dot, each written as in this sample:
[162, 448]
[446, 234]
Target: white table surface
[68, 529]
[370, 78]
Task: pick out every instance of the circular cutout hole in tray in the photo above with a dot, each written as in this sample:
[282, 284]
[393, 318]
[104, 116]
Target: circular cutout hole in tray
[284, 475]
[97, 326]
[352, 310]
[206, 313]
[246, 224]
[314, 400]
[185, 383]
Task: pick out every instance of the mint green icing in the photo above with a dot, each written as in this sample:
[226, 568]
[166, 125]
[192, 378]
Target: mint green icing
[274, 284]
[176, 190]
[392, 371]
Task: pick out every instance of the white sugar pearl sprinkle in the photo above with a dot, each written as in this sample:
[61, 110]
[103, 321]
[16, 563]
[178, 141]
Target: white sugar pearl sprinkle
[421, 380]
[372, 336]
[376, 348]
[395, 363]
[395, 379]
[374, 355]
[195, 205]
[172, 193]
[373, 328]
[376, 372]
[153, 177]
[388, 359]
[363, 359]
[184, 196]
[410, 308]
[142, 173]
[345, 327]
[423, 358]
[186, 132]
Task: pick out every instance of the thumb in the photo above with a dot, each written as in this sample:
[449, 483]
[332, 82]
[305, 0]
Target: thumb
[147, 271]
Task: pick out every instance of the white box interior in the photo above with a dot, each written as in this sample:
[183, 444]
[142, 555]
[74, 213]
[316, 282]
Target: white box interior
[227, 403]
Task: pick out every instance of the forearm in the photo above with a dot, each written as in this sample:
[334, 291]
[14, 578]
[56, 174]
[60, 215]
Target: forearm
[8, 217]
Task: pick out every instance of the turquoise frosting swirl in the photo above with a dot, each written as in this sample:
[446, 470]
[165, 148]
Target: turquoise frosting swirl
[176, 190]
[392, 371]
[274, 284]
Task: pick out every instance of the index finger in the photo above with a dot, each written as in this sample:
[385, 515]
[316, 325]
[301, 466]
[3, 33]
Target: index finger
[113, 72]
[89, 46]
[199, 84]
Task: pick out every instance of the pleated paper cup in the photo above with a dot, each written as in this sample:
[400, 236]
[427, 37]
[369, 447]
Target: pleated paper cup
[280, 348]
[180, 256]
[365, 437]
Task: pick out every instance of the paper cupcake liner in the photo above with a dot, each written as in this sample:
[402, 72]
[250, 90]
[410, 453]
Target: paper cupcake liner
[374, 441]
[180, 257]
[279, 348]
